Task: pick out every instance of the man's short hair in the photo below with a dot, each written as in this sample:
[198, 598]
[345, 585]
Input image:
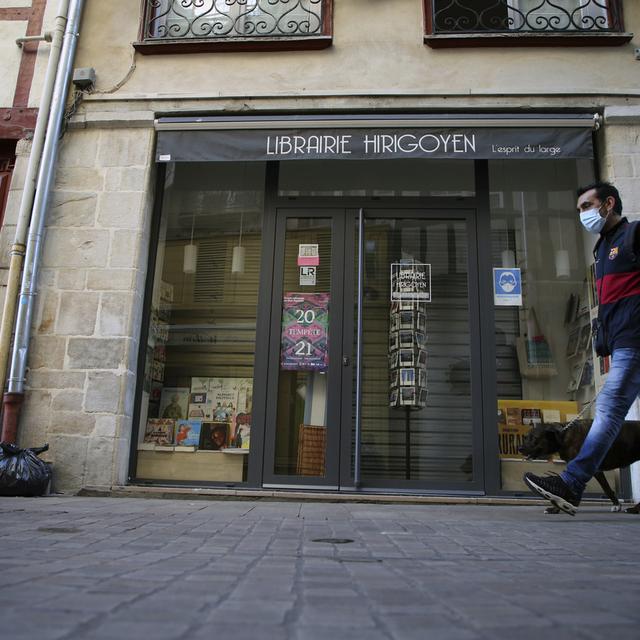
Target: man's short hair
[603, 191]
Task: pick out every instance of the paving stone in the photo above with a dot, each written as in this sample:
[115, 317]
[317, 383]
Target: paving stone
[303, 632]
[522, 632]
[127, 567]
[116, 629]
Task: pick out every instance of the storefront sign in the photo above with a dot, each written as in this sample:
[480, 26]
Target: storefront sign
[411, 281]
[305, 332]
[507, 287]
[492, 143]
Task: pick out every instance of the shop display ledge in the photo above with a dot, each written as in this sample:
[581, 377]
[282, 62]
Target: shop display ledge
[213, 466]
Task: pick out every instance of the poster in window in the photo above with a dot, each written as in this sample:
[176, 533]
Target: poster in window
[411, 281]
[305, 332]
[159, 431]
[174, 403]
[228, 401]
[188, 433]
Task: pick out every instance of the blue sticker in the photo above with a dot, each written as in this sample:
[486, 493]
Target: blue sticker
[507, 287]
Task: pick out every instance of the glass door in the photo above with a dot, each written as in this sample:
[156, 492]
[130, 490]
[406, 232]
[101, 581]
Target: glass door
[419, 424]
[420, 405]
[306, 361]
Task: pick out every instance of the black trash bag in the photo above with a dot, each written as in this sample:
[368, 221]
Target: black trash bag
[22, 473]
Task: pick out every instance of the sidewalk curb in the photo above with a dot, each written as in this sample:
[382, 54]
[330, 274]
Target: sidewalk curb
[195, 493]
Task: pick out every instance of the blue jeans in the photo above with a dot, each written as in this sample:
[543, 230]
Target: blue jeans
[620, 389]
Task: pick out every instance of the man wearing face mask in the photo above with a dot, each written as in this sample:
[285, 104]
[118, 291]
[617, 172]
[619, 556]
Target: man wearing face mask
[617, 259]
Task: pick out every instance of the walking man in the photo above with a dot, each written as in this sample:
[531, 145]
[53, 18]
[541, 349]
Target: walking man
[617, 333]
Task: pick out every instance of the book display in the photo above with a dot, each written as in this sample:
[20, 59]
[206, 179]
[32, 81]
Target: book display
[214, 436]
[156, 350]
[174, 402]
[533, 350]
[160, 431]
[213, 414]
[600, 365]
[580, 311]
[207, 420]
[408, 354]
[188, 433]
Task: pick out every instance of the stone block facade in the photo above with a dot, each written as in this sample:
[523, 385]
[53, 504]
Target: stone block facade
[620, 161]
[81, 377]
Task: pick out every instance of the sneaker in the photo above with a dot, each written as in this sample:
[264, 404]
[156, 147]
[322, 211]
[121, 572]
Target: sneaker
[553, 488]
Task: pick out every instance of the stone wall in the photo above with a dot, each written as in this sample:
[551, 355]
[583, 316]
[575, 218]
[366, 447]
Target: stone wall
[82, 361]
[620, 159]
[621, 165]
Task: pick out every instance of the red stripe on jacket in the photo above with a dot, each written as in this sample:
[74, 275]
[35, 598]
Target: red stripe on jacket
[615, 286]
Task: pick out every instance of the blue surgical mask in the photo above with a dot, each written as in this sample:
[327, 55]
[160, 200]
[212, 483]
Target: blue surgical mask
[592, 221]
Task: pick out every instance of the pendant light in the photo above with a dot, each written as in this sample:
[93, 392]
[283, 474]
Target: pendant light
[190, 258]
[508, 259]
[239, 252]
[563, 268]
[508, 256]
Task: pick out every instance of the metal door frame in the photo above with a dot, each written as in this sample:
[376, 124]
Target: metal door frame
[334, 389]
[431, 211]
[432, 208]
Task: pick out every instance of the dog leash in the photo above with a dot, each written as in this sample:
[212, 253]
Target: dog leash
[580, 414]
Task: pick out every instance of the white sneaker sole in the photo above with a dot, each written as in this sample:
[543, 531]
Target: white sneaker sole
[556, 501]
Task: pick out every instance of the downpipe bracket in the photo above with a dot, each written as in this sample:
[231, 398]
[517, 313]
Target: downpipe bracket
[47, 36]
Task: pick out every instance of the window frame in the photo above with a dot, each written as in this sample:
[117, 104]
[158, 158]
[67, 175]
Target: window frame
[147, 45]
[570, 38]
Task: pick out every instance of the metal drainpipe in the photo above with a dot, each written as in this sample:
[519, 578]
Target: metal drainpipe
[14, 397]
[18, 247]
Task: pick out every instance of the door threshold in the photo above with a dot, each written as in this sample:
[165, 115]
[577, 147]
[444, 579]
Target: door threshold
[301, 487]
[298, 495]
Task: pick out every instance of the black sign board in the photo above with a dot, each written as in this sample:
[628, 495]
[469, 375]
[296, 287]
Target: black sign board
[374, 144]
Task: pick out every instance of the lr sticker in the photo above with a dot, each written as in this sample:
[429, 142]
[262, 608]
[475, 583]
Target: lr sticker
[307, 276]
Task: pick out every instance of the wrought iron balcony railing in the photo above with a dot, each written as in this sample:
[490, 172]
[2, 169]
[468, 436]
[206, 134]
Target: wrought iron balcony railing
[198, 19]
[524, 16]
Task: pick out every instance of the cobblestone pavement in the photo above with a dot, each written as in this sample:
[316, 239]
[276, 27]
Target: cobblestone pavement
[102, 568]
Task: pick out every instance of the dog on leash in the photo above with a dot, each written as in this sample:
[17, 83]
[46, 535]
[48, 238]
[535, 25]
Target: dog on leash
[543, 440]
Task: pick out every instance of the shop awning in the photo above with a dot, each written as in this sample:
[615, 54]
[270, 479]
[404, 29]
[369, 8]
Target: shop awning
[219, 139]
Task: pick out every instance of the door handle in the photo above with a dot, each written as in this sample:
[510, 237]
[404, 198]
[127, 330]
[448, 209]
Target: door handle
[346, 361]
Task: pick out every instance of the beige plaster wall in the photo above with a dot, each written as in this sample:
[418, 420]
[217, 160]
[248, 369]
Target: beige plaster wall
[377, 49]
[10, 55]
[4, 4]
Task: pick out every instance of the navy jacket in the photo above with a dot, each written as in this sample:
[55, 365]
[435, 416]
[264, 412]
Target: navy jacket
[618, 288]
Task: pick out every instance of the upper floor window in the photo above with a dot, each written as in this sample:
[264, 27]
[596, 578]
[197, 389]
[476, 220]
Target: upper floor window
[524, 22]
[203, 25]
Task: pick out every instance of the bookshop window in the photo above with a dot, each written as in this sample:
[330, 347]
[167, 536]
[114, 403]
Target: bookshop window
[543, 300]
[195, 418]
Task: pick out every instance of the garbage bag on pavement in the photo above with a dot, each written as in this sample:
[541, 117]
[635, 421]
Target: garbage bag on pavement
[22, 473]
